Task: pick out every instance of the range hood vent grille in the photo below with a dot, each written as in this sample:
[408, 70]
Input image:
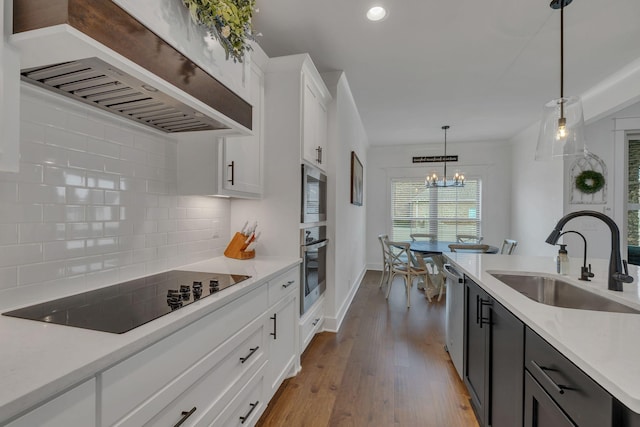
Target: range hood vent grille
[99, 84]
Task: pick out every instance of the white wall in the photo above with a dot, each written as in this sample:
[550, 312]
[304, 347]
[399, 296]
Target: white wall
[488, 160]
[347, 223]
[95, 200]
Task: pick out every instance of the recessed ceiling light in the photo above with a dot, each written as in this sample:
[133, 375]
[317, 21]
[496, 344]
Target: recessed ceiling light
[376, 13]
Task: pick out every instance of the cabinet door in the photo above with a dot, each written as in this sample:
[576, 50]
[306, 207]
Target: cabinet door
[310, 112]
[282, 340]
[476, 361]
[242, 156]
[539, 409]
[507, 368]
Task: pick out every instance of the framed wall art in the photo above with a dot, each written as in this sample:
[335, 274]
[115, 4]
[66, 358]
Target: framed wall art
[357, 180]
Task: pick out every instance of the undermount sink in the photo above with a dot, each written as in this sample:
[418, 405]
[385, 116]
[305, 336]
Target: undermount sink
[552, 291]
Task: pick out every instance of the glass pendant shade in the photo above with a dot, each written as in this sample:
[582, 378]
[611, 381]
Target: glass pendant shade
[561, 129]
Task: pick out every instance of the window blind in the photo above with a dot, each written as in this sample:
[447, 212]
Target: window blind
[445, 211]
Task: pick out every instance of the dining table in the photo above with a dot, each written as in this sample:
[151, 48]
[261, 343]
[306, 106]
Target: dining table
[429, 247]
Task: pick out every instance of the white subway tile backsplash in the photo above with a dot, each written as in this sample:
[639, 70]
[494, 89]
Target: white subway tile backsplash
[95, 201]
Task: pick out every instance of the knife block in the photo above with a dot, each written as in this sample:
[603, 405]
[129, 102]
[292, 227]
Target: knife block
[236, 248]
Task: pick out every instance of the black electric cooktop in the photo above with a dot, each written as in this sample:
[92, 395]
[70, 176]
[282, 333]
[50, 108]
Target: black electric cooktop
[122, 307]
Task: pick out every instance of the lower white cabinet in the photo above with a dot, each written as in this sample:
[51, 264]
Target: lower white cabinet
[247, 406]
[282, 341]
[76, 407]
[311, 323]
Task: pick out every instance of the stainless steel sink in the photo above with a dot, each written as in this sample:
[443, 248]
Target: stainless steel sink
[558, 293]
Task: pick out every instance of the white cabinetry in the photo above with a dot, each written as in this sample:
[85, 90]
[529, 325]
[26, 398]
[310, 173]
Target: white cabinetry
[76, 407]
[311, 323]
[9, 101]
[241, 173]
[283, 333]
[314, 120]
[167, 378]
[229, 166]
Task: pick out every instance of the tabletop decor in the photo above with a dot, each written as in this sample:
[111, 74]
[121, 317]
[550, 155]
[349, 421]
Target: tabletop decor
[228, 21]
[356, 180]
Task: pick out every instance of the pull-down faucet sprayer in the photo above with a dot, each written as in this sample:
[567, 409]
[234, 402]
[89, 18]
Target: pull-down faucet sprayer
[618, 271]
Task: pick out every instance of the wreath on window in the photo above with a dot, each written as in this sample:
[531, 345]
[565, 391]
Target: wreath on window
[589, 181]
[228, 21]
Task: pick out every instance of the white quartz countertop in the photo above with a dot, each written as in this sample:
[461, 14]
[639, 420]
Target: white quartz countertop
[604, 345]
[39, 360]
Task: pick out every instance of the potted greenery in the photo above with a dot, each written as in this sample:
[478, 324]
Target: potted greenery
[228, 21]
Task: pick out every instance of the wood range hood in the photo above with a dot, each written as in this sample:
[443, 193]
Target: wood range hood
[95, 52]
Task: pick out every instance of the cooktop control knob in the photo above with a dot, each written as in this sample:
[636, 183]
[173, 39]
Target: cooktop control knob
[197, 290]
[214, 286]
[185, 291]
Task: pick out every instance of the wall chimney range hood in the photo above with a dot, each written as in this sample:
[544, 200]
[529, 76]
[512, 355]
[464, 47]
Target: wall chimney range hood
[95, 52]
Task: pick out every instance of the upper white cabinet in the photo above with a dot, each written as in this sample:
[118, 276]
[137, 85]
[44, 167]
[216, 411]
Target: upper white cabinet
[242, 156]
[302, 104]
[314, 121]
[230, 166]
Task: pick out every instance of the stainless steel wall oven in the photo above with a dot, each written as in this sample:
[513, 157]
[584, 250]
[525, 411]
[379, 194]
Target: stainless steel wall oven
[314, 265]
[314, 195]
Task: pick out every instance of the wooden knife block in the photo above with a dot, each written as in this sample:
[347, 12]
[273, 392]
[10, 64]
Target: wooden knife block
[236, 248]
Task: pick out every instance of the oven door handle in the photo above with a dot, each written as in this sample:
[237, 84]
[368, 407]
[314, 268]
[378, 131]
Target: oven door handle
[315, 246]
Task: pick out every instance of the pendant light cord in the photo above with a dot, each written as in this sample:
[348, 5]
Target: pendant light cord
[562, 58]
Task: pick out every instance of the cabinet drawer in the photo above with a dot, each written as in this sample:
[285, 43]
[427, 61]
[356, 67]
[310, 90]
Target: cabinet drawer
[246, 407]
[131, 382]
[283, 284]
[215, 377]
[310, 323]
[588, 404]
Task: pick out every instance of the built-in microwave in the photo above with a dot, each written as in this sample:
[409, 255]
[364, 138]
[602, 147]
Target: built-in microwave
[314, 195]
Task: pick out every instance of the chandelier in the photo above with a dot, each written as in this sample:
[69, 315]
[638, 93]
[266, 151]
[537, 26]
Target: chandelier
[433, 180]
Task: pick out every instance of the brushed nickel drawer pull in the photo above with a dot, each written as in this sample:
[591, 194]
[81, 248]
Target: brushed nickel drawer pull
[253, 406]
[252, 350]
[185, 415]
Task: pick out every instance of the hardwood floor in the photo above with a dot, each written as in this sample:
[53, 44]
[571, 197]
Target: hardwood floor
[385, 367]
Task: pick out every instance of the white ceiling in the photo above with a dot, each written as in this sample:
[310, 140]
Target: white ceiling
[485, 67]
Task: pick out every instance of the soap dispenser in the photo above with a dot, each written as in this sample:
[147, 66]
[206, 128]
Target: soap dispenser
[562, 261]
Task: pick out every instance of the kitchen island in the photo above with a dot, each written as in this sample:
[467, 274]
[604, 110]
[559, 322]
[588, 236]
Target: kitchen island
[604, 345]
[40, 361]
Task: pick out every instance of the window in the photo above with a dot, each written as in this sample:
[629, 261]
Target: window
[445, 212]
[633, 201]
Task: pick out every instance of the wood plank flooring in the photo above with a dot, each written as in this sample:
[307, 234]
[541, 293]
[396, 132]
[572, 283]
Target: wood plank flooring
[385, 367]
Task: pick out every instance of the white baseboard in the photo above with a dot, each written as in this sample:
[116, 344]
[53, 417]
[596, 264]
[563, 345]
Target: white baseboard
[332, 324]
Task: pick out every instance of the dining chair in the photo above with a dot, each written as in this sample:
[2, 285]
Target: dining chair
[386, 258]
[473, 247]
[403, 265]
[423, 236]
[435, 278]
[508, 245]
[468, 238]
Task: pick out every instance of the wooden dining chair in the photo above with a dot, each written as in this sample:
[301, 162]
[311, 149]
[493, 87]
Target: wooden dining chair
[458, 247]
[434, 278]
[508, 245]
[403, 265]
[423, 236]
[386, 258]
[468, 238]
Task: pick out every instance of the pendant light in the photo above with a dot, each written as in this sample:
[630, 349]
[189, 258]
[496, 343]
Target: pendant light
[562, 124]
[433, 181]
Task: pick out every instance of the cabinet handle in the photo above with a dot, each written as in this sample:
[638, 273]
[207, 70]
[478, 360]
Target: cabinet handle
[275, 325]
[252, 350]
[484, 320]
[315, 322]
[253, 406]
[319, 154]
[233, 168]
[289, 283]
[185, 415]
[477, 309]
[541, 370]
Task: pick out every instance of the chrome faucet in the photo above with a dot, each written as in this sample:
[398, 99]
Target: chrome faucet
[585, 272]
[618, 270]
